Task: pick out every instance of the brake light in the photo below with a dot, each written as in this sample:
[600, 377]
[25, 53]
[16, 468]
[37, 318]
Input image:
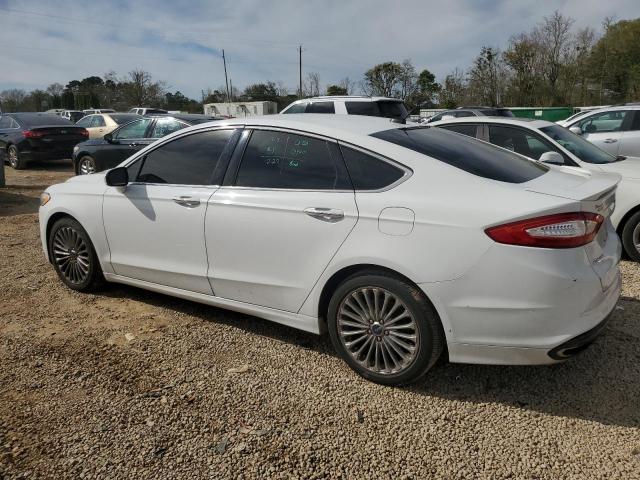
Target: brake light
[563, 230]
[32, 133]
[84, 132]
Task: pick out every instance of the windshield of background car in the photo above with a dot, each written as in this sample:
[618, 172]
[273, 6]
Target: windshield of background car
[122, 118]
[472, 156]
[581, 148]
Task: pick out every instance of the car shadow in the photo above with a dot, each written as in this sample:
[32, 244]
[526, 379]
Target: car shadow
[17, 204]
[602, 384]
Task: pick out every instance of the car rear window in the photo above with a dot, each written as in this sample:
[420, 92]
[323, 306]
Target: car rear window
[39, 119]
[470, 155]
[122, 118]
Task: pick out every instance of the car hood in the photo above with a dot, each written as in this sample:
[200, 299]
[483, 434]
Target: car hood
[93, 178]
[628, 168]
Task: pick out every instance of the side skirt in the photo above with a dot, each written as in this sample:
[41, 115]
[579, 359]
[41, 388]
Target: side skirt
[301, 322]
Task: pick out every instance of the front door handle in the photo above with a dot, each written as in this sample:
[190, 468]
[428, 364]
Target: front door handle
[331, 215]
[133, 144]
[186, 201]
[610, 140]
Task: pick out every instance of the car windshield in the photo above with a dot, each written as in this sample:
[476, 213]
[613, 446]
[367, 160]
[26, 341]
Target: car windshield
[122, 118]
[581, 148]
[472, 156]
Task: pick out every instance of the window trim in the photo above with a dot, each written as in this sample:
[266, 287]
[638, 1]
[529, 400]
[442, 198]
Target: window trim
[407, 172]
[234, 166]
[218, 171]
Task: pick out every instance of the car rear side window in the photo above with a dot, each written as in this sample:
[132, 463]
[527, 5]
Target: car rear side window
[284, 160]
[296, 108]
[368, 172]
[464, 128]
[468, 154]
[321, 107]
[362, 108]
[188, 160]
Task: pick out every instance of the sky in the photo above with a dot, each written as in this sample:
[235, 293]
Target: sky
[181, 41]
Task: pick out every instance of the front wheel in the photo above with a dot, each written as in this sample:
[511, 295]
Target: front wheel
[631, 237]
[73, 256]
[385, 329]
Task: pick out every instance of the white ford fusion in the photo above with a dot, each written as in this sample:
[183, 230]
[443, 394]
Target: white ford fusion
[402, 242]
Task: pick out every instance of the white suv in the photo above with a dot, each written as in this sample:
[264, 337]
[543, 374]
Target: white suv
[351, 105]
[613, 129]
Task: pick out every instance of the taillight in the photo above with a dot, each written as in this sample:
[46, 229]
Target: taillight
[563, 230]
[84, 132]
[32, 133]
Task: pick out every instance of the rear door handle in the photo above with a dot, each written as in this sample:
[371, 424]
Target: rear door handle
[186, 201]
[134, 144]
[610, 140]
[331, 215]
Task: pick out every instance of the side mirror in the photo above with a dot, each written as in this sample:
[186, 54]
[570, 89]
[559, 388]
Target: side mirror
[576, 130]
[117, 177]
[109, 138]
[553, 158]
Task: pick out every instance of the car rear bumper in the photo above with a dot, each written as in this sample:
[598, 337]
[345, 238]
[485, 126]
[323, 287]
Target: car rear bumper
[524, 305]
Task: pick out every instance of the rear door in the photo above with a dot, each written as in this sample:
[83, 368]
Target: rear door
[630, 142]
[286, 207]
[606, 129]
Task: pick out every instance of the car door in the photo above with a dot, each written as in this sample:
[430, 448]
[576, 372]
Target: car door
[6, 123]
[155, 226]
[605, 129]
[524, 141]
[125, 141]
[96, 126]
[285, 208]
[630, 141]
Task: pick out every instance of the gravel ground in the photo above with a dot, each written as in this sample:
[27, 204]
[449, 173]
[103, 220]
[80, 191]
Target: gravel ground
[131, 384]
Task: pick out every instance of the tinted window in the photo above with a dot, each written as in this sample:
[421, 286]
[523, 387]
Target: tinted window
[463, 113]
[296, 108]
[604, 122]
[368, 172]
[122, 118]
[321, 107]
[155, 110]
[581, 148]
[465, 153]
[362, 108]
[134, 129]
[165, 126]
[39, 119]
[520, 141]
[464, 128]
[84, 122]
[284, 160]
[389, 109]
[636, 121]
[187, 160]
[381, 108]
[97, 121]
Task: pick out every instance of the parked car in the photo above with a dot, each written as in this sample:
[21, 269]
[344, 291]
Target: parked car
[351, 105]
[471, 112]
[615, 129]
[114, 147]
[100, 124]
[147, 111]
[551, 143]
[37, 136]
[72, 115]
[399, 241]
[92, 111]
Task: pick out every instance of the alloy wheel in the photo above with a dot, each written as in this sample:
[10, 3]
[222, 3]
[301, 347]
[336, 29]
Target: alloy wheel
[378, 330]
[13, 157]
[71, 254]
[87, 166]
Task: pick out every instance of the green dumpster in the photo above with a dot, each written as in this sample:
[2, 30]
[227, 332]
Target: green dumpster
[551, 114]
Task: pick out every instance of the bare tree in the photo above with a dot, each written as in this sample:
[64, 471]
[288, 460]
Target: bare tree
[348, 85]
[311, 86]
[12, 100]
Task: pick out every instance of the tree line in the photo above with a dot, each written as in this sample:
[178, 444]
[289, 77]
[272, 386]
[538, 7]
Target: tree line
[553, 64]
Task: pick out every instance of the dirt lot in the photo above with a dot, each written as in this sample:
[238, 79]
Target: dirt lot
[130, 384]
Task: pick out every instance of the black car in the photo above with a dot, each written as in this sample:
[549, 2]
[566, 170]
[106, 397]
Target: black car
[37, 136]
[115, 147]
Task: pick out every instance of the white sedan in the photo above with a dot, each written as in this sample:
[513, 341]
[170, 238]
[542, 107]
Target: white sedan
[550, 143]
[402, 242]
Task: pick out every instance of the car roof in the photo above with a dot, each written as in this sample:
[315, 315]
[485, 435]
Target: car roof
[187, 117]
[355, 98]
[530, 122]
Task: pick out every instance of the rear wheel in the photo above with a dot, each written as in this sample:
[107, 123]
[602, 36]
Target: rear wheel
[86, 165]
[14, 158]
[631, 237]
[73, 256]
[384, 328]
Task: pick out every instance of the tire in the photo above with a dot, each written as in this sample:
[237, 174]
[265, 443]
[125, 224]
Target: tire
[15, 161]
[73, 256]
[631, 237]
[381, 358]
[86, 165]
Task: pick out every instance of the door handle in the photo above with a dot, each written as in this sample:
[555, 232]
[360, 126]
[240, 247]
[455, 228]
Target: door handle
[610, 140]
[186, 201]
[133, 144]
[331, 215]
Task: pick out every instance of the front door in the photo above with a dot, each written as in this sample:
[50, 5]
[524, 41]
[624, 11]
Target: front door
[274, 229]
[125, 141]
[155, 226]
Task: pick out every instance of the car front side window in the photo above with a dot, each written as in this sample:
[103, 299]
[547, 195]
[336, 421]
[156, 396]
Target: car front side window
[283, 160]
[604, 122]
[135, 129]
[84, 121]
[165, 126]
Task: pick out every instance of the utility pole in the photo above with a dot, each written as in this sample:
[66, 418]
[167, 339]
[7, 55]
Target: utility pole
[300, 70]
[231, 88]
[226, 80]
